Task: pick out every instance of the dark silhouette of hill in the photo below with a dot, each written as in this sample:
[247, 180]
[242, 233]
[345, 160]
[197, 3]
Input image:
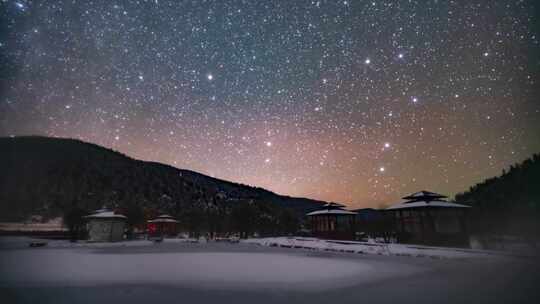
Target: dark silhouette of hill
[50, 176]
[507, 204]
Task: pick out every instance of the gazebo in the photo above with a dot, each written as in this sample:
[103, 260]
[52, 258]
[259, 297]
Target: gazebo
[427, 217]
[332, 222]
[161, 226]
[105, 226]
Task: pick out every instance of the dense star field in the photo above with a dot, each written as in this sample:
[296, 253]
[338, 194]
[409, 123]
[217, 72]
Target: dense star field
[353, 101]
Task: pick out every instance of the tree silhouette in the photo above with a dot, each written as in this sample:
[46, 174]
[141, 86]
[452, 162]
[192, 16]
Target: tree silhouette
[508, 204]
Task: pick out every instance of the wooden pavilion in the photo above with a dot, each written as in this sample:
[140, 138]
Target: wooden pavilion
[428, 218]
[105, 226]
[332, 222]
[162, 226]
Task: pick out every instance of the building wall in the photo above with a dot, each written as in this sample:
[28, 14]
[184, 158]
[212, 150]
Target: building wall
[162, 229]
[332, 227]
[431, 226]
[105, 230]
[448, 221]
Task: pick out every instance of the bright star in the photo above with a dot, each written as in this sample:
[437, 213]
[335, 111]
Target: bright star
[210, 77]
[368, 61]
[20, 6]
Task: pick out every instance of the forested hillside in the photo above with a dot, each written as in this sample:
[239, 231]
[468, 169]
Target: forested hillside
[51, 177]
[507, 204]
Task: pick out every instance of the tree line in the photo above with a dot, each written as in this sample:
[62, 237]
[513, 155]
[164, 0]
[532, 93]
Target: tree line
[211, 217]
[508, 204]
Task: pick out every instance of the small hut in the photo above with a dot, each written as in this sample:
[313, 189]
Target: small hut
[163, 225]
[332, 222]
[427, 217]
[105, 226]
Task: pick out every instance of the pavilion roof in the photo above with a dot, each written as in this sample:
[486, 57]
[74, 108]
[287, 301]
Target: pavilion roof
[423, 199]
[164, 218]
[424, 195]
[331, 211]
[333, 206]
[425, 204]
[105, 215]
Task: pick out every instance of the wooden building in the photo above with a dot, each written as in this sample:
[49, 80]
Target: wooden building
[162, 226]
[428, 218]
[372, 223]
[332, 222]
[105, 226]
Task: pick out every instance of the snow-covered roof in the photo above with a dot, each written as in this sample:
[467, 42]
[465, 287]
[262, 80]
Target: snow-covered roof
[101, 210]
[331, 211]
[419, 204]
[424, 194]
[163, 220]
[333, 205]
[105, 215]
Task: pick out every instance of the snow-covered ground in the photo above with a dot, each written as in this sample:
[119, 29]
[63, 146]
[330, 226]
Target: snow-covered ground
[209, 269]
[23, 242]
[374, 248]
[221, 269]
[178, 271]
[52, 225]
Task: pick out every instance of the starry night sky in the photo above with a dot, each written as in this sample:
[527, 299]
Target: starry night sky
[359, 102]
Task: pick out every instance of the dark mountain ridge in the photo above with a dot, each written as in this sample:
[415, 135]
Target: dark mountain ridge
[46, 176]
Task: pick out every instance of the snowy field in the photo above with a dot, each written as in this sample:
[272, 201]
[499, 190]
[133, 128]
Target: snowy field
[384, 249]
[144, 272]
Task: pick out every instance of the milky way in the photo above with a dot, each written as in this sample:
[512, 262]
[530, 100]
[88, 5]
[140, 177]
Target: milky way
[353, 101]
